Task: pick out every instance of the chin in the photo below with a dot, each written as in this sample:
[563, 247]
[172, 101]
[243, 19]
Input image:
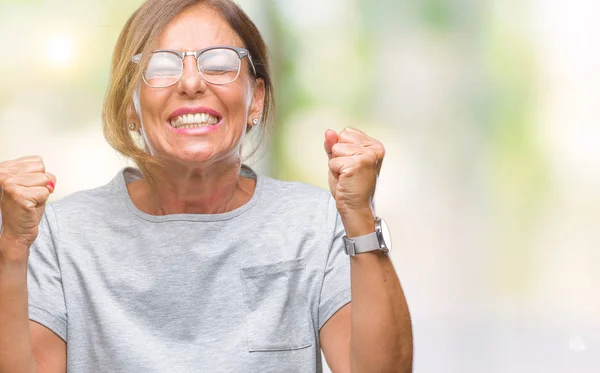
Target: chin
[196, 155]
[194, 158]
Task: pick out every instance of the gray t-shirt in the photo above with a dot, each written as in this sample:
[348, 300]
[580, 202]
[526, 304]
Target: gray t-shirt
[242, 291]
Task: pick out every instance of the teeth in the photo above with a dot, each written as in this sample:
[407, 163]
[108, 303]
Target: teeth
[192, 126]
[194, 120]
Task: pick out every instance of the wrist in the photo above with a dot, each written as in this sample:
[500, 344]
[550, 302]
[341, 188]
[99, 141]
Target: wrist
[358, 222]
[376, 241]
[13, 251]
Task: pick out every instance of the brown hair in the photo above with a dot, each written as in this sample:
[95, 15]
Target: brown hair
[138, 36]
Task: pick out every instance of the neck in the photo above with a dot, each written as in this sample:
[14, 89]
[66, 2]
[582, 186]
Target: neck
[208, 189]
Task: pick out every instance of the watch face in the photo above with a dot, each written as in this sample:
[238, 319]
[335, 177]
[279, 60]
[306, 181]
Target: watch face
[385, 234]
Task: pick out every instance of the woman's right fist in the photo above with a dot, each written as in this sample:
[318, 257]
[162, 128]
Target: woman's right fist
[24, 189]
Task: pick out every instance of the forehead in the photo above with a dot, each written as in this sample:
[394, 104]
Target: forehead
[195, 28]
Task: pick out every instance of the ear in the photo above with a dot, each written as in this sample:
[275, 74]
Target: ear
[132, 117]
[258, 101]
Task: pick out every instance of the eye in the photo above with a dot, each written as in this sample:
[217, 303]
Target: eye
[163, 64]
[219, 66]
[216, 69]
[163, 69]
[219, 61]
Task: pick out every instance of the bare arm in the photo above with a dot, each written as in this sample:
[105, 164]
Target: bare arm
[374, 332]
[49, 350]
[380, 326]
[335, 340]
[24, 189]
[25, 346]
[15, 342]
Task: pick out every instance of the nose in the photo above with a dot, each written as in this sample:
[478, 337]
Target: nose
[191, 83]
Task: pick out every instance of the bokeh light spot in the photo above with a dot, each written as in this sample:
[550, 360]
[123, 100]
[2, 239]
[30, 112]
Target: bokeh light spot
[60, 50]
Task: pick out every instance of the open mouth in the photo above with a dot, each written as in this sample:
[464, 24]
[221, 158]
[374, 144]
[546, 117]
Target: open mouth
[194, 120]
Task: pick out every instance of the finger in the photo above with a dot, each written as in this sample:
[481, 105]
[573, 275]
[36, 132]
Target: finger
[335, 174]
[361, 139]
[331, 137]
[51, 182]
[340, 165]
[355, 130]
[29, 165]
[30, 158]
[29, 197]
[29, 180]
[347, 149]
[354, 137]
[35, 196]
[362, 161]
[22, 160]
[374, 154]
[379, 150]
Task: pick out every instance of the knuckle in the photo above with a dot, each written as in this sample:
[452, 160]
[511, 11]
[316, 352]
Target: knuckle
[28, 204]
[44, 194]
[20, 194]
[36, 163]
[40, 167]
[336, 148]
[5, 171]
[369, 159]
[9, 184]
[334, 165]
[26, 198]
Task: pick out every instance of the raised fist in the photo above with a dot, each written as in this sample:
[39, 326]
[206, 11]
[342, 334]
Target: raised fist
[24, 189]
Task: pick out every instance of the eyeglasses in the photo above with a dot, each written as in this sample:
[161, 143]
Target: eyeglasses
[217, 65]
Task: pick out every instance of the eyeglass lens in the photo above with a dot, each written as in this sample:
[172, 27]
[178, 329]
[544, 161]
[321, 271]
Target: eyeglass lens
[217, 66]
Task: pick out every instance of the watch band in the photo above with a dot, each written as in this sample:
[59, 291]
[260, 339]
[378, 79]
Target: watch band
[361, 244]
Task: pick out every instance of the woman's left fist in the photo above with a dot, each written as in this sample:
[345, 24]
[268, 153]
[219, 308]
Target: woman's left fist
[354, 164]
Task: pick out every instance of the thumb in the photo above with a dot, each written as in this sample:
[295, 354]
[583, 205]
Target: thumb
[51, 182]
[331, 138]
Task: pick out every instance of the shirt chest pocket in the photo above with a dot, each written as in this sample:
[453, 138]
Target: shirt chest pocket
[275, 297]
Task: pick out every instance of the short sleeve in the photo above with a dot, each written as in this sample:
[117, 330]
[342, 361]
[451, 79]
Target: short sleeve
[335, 292]
[44, 280]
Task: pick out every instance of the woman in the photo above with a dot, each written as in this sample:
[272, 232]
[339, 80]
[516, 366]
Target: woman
[195, 263]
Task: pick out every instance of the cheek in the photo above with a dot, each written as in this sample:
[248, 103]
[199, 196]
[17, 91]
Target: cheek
[150, 103]
[237, 101]
[238, 95]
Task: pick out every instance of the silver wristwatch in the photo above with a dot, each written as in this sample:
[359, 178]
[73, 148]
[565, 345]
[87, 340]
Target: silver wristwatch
[378, 240]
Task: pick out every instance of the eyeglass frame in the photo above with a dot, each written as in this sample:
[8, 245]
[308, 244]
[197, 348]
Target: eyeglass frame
[241, 52]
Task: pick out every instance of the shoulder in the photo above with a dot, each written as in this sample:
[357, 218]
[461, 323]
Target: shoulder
[86, 203]
[294, 192]
[298, 202]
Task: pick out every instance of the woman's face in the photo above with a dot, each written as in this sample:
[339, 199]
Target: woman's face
[233, 106]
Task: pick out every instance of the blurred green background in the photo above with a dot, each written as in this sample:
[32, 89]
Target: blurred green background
[489, 112]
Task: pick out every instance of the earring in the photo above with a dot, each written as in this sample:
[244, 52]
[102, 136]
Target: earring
[255, 121]
[132, 126]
